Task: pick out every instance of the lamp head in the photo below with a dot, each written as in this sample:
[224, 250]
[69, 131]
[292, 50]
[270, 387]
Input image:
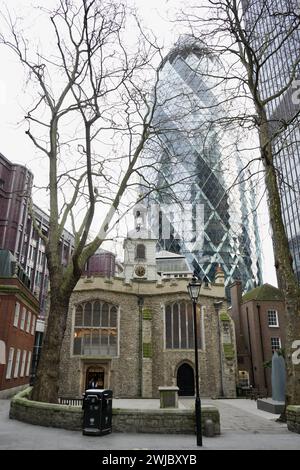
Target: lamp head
[193, 288]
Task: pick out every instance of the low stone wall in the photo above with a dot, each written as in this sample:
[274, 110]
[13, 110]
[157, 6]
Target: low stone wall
[293, 418]
[10, 392]
[44, 414]
[162, 421]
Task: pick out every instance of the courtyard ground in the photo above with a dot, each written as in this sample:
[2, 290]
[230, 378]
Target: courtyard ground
[242, 427]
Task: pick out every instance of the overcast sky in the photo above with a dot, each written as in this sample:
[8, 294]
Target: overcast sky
[17, 147]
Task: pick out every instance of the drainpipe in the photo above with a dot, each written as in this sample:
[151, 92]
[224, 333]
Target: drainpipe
[250, 348]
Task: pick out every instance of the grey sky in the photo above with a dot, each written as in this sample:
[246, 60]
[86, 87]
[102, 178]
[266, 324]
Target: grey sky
[14, 94]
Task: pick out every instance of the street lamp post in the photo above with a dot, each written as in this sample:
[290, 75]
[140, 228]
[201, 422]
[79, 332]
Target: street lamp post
[194, 290]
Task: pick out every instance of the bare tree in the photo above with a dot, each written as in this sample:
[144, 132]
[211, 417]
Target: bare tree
[90, 118]
[253, 39]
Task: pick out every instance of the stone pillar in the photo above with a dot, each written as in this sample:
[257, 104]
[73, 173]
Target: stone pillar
[228, 355]
[147, 353]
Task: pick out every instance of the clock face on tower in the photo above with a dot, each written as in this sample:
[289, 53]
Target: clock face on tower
[140, 270]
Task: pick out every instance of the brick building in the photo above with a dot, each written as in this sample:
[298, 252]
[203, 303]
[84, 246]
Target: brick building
[15, 187]
[260, 330]
[18, 315]
[135, 332]
[19, 236]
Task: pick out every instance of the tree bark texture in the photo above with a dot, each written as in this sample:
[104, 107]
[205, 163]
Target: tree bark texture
[47, 376]
[284, 267]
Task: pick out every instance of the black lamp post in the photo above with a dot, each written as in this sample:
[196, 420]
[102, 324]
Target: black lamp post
[194, 290]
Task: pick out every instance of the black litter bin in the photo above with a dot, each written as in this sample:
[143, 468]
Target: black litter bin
[97, 412]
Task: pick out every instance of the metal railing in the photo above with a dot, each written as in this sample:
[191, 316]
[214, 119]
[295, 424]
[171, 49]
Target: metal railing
[70, 401]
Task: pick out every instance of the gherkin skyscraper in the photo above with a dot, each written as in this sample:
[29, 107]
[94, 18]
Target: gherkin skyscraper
[190, 166]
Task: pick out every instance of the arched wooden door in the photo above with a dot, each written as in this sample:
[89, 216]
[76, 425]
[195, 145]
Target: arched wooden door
[185, 380]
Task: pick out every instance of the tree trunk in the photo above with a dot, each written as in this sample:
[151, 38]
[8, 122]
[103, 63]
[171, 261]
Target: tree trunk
[283, 262]
[292, 334]
[47, 377]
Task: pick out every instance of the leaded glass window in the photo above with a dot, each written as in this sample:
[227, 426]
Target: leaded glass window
[96, 329]
[179, 326]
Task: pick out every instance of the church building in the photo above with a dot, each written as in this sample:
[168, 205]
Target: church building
[134, 332]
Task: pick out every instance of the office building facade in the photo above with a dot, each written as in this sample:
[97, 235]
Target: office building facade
[191, 164]
[273, 26]
[19, 235]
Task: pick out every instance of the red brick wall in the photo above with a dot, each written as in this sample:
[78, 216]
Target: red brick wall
[15, 337]
[261, 334]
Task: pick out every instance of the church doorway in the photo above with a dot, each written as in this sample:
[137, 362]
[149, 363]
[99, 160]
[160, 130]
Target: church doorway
[95, 374]
[185, 380]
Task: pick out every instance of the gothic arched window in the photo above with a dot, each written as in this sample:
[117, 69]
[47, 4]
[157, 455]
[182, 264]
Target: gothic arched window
[96, 329]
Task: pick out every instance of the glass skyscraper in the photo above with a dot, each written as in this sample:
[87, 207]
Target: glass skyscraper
[273, 28]
[192, 161]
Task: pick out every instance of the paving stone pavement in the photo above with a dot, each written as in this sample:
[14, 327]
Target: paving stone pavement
[243, 415]
[242, 427]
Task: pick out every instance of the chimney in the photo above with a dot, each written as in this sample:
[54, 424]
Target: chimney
[236, 302]
[236, 293]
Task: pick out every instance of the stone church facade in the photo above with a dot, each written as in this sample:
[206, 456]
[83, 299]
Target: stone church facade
[135, 333]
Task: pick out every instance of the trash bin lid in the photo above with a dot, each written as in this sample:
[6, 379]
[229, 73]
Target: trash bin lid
[98, 392]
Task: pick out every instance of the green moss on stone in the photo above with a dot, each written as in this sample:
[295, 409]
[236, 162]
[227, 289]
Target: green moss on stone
[294, 408]
[147, 350]
[147, 314]
[224, 316]
[228, 351]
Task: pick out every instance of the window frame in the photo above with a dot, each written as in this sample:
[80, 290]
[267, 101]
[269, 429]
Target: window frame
[187, 335]
[279, 342]
[33, 325]
[92, 331]
[23, 318]
[23, 363]
[10, 363]
[17, 364]
[28, 365]
[17, 314]
[272, 311]
[28, 322]
[137, 254]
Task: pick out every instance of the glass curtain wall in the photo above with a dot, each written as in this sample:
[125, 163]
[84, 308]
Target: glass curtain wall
[209, 219]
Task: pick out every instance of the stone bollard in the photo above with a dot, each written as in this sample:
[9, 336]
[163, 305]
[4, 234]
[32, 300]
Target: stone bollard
[209, 430]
